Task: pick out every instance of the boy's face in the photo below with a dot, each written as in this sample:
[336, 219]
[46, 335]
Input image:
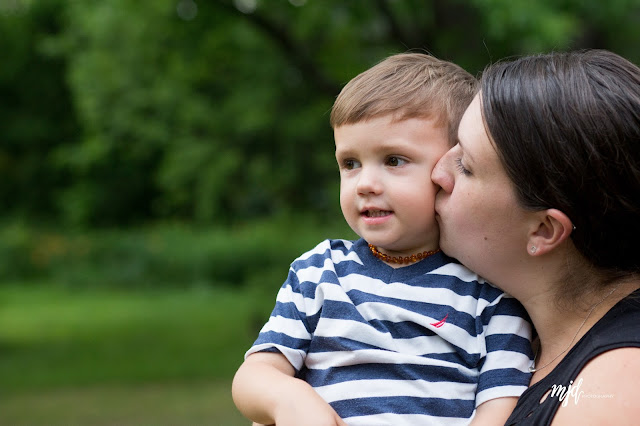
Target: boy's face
[386, 193]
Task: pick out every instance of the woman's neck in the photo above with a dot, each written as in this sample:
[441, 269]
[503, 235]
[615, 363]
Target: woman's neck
[561, 325]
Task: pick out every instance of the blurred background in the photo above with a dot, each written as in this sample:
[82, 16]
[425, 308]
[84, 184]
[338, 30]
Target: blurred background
[162, 162]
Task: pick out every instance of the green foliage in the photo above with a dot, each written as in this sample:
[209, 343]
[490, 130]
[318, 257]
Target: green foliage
[254, 254]
[36, 112]
[516, 28]
[120, 112]
[184, 127]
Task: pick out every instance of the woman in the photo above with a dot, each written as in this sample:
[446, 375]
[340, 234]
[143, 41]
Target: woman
[542, 197]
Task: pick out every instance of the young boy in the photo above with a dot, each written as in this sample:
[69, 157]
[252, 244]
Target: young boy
[387, 330]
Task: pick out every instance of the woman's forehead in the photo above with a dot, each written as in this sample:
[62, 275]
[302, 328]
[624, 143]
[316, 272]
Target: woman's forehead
[471, 132]
[474, 141]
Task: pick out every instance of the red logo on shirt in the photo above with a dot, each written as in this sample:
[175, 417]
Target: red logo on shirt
[440, 323]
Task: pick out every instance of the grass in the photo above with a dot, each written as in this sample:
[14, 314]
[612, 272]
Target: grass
[137, 326]
[160, 404]
[123, 357]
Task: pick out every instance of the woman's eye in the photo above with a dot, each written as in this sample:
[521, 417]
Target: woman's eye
[395, 161]
[462, 169]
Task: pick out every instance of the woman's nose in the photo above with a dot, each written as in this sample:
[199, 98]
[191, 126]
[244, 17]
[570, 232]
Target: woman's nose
[441, 174]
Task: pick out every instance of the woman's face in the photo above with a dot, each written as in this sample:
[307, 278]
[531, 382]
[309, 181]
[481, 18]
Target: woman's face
[481, 223]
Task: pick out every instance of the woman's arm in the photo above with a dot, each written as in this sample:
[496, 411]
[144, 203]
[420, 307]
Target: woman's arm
[265, 391]
[604, 392]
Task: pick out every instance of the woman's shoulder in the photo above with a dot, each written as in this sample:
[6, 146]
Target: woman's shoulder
[604, 391]
[618, 328]
[595, 379]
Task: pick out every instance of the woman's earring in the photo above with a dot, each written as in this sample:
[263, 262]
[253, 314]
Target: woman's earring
[533, 249]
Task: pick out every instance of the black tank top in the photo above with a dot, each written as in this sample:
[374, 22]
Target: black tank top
[619, 328]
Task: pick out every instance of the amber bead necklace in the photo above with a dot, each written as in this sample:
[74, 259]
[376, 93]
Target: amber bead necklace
[399, 259]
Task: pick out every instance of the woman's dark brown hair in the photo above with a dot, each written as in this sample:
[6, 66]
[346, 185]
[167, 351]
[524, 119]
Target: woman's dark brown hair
[567, 129]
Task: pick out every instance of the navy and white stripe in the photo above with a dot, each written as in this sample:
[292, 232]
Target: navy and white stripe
[361, 333]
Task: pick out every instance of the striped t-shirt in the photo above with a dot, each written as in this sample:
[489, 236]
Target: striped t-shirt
[422, 344]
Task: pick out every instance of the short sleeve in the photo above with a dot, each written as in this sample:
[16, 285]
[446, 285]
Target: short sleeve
[287, 330]
[504, 370]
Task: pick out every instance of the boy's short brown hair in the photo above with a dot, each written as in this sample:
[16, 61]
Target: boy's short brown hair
[407, 85]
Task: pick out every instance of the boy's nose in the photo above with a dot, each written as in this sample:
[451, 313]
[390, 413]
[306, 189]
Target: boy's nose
[369, 182]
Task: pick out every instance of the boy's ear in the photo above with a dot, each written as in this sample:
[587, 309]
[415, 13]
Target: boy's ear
[553, 228]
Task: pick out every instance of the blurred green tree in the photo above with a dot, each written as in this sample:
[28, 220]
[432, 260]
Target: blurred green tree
[217, 111]
[36, 112]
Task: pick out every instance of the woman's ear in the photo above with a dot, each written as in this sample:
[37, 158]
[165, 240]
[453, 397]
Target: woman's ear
[554, 227]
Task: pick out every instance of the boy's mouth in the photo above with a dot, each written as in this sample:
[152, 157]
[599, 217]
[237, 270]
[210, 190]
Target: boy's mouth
[376, 213]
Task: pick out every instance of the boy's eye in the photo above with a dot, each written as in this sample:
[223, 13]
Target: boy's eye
[350, 164]
[395, 161]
